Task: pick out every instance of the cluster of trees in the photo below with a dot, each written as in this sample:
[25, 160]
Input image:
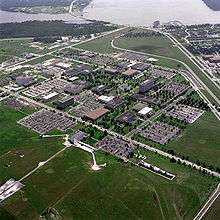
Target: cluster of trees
[194, 100]
[94, 132]
[172, 121]
[164, 95]
[198, 162]
[52, 28]
[204, 48]
[109, 120]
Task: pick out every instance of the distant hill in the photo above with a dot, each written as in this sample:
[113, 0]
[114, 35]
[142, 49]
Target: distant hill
[6, 5]
[213, 4]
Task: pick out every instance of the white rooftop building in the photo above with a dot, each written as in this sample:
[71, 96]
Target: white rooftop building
[50, 96]
[106, 99]
[145, 111]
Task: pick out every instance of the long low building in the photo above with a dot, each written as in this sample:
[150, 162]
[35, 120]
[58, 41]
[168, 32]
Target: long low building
[145, 111]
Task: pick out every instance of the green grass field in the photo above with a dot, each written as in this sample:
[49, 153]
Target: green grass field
[103, 45]
[200, 141]
[76, 192]
[16, 140]
[158, 45]
[16, 47]
[69, 187]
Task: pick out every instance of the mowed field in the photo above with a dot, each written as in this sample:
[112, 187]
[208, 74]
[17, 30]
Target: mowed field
[70, 189]
[158, 45]
[102, 44]
[15, 140]
[200, 140]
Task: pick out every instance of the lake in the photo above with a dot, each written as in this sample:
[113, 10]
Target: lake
[142, 12]
[132, 12]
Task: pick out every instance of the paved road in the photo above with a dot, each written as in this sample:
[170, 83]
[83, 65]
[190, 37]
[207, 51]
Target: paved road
[208, 204]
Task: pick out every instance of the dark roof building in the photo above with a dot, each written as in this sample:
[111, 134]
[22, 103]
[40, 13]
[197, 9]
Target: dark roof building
[101, 89]
[24, 81]
[77, 136]
[141, 66]
[64, 103]
[115, 103]
[127, 118]
[146, 86]
[148, 99]
[76, 87]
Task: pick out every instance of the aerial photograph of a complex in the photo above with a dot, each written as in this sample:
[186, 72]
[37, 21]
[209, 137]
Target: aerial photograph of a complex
[109, 109]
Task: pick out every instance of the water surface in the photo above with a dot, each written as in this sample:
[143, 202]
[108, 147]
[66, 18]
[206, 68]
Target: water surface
[142, 12]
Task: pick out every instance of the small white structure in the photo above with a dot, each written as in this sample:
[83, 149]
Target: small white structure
[73, 78]
[145, 111]
[50, 96]
[153, 60]
[105, 99]
[63, 65]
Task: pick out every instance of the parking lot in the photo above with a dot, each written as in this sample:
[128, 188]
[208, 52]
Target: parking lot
[115, 147]
[185, 113]
[160, 132]
[44, 121]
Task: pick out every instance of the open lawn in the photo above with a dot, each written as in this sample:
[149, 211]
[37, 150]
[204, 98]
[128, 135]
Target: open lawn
[200, 141]
[15, 141]
[40, 60]
[102, 44]
[158, 45]
[74, 191]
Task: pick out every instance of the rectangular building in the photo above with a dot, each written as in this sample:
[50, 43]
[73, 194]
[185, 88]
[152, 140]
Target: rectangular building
[146, 86]
[64, 103]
